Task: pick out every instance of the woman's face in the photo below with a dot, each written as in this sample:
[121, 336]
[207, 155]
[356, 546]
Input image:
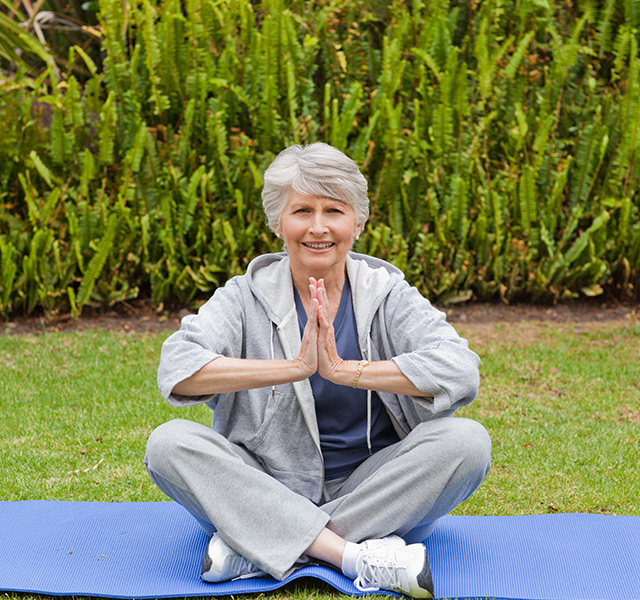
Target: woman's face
[318, 233]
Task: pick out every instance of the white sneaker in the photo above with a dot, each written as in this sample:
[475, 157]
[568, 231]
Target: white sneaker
[222, 563]
[390, 564]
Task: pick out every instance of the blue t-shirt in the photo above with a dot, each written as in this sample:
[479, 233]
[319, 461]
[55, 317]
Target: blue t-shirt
[341, 411]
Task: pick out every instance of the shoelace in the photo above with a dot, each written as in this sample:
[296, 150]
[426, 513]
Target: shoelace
[375, 573]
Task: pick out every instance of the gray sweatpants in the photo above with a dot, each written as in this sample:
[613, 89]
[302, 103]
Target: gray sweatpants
[402, 489]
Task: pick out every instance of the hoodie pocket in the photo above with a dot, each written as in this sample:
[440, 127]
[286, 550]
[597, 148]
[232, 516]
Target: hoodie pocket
[278, 404]
[285, 447]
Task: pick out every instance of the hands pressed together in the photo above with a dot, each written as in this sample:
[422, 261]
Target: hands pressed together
[318, 351]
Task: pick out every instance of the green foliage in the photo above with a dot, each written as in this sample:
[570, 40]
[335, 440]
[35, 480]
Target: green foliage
[501, 141]
[16, 44]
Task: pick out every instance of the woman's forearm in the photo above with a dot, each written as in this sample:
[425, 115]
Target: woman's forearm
[379, 376]
[224, 374]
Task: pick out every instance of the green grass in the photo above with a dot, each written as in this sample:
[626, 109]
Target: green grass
[77, 410]
[559, 400]
[561, 404]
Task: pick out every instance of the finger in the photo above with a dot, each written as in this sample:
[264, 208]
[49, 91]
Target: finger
[326, 334]
[323, 297]
[309, 343]
[313, 288]
[328, 356]
[323, 314]
[312, 316]
[315, 308]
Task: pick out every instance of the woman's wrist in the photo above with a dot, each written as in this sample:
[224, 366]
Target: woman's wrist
[380, 375]
[304, 369]
[343, 372]
[361, 365]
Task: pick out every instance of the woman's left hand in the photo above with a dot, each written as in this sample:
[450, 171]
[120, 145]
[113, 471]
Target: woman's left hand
[329, 360]
[382, 376]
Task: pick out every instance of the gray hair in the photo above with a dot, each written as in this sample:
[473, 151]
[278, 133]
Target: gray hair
[316, 170]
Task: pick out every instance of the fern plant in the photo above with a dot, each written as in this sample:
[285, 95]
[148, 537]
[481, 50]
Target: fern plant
[500, 141]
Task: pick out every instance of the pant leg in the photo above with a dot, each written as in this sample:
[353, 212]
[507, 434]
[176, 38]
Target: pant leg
[225, 488]
[405, 488]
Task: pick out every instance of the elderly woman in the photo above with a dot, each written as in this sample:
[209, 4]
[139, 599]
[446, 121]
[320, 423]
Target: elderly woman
[333, 384]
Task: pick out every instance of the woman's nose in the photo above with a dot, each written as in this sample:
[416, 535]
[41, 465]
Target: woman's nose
[318, 225]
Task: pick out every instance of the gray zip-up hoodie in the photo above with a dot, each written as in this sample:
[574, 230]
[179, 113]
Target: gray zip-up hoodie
[254, 316]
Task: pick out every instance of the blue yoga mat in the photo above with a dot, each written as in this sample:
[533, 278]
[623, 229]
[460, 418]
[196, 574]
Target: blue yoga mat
[153, 550]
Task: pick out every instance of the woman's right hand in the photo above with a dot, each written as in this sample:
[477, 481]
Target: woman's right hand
[307, 359]
[225, 374]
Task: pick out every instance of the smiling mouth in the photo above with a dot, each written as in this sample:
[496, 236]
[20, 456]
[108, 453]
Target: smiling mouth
[318, 246]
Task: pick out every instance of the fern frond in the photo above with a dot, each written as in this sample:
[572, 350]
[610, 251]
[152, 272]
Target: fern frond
[345, 122]
[97, 262]
[441, 44]
[527, 197]
[621, 47]
[186, 133]
[363, 140]
[457, 212]
[45, 173]
[429, 61]
[514, 62]
[632, 12]
[59, 145]
[188, 205]
[292, 102]
[88, 172]
[542, 136]
[136, 153]
[50, 205]
[604, 26]
[8, 269]
[581, 244]
[590, 148]
[107, 130]
[442, 128]
[88, 61]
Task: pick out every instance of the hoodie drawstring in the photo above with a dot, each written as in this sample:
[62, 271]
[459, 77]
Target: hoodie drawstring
[273, 387]
[279, 328]
[369, 402]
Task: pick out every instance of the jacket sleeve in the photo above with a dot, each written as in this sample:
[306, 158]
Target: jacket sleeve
[217, 330]
[430, 353]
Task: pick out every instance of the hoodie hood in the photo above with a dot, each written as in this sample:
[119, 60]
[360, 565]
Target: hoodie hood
[371, 280]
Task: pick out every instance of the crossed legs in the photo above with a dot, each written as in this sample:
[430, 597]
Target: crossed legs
[402, 489]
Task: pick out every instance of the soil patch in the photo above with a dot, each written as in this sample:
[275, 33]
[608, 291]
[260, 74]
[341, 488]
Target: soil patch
[141, 316]
[500, 325]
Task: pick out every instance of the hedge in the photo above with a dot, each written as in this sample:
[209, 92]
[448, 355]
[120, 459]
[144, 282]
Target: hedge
[501, 141]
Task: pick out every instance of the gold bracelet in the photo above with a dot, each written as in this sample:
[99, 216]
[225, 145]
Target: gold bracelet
[361, 365]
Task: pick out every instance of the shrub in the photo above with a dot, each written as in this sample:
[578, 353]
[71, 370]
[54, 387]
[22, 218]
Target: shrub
[500, 139]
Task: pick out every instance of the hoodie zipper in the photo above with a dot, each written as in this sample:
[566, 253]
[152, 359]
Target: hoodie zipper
[316, 443]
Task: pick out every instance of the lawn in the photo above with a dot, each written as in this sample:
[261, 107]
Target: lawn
[560, 401]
